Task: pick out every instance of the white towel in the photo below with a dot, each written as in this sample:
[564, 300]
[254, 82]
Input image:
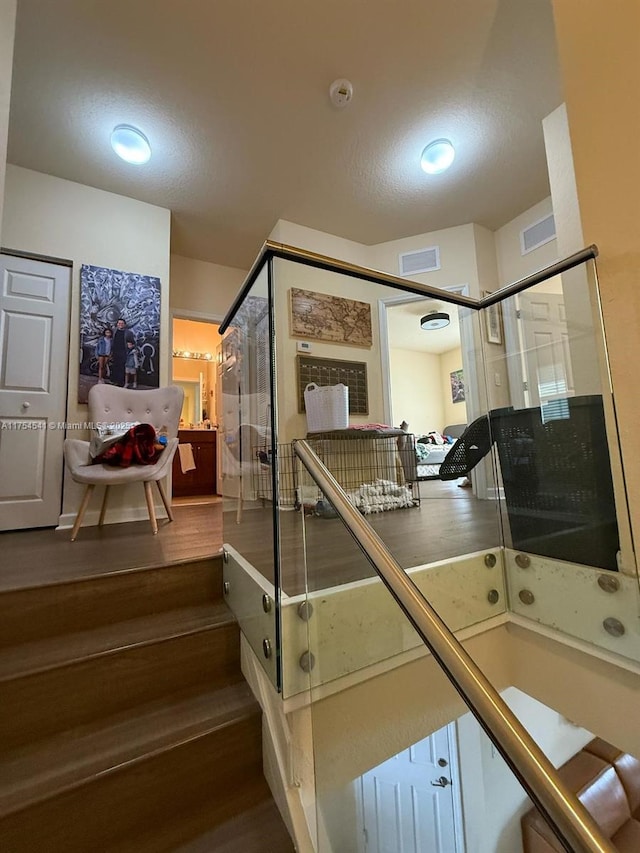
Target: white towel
[187, 462]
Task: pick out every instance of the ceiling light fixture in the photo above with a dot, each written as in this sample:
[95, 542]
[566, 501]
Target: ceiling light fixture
[130, 144]
[437, 156]
[434, 320]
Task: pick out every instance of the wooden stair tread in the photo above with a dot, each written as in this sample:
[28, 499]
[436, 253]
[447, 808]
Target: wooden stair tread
[251, 824]
[38, 572]
[256, 830]
[70, 759]
[41, 655]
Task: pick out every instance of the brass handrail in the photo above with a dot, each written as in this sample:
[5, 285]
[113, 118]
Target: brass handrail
[271, 249]
[568, 818]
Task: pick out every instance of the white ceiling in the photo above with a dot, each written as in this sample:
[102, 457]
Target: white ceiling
[233, 95]
[405, 332]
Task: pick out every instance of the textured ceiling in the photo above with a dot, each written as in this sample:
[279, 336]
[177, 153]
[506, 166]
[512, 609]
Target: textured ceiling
[233, 95]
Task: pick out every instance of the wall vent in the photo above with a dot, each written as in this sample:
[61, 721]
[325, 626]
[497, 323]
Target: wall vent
[536, 235]
[423, 260]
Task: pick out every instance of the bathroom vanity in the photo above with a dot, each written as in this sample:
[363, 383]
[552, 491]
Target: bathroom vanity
[201, 480]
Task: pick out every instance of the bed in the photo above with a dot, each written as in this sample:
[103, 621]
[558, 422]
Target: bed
[430, 456]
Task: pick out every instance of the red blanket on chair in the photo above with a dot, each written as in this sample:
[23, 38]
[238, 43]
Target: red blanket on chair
[137, 447]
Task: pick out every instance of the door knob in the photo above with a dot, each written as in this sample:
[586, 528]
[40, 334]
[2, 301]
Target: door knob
[442, 782]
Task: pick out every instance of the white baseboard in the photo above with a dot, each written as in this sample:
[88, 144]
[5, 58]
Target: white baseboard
[134, 513]
[495, 494]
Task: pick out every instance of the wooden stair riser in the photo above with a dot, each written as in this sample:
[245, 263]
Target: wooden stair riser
[49, 611]
[220, 771]
[39, 705]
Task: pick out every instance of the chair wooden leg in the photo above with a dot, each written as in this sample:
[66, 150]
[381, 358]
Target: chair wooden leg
[152, 512]
[163, 495]
[83, 507]
[103, 510]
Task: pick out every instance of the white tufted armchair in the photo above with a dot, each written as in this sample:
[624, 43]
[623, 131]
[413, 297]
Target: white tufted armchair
[159, 407]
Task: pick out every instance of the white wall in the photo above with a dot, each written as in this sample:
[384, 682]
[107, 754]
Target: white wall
[457, 257]
[580, 297]
[49, 216]
[452, 413]
[7, 33]
[199, 287]
[416, 390]
[291, 423]
[493, 800]
[319, 242]
[512, 264]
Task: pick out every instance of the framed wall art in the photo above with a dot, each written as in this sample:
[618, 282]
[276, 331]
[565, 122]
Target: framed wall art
[323, 317]
[493, 322]
[119, 329]
[457, 386]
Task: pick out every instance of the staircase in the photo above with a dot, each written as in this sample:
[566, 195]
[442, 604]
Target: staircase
[125, 723]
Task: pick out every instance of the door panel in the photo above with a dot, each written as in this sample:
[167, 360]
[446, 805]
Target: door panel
[34, 350]
[27, 348]
[403, 812]
[546, 347]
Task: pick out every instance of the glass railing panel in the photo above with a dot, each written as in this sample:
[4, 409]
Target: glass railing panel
[567, 531]
[341, 623]
[246, 447]
[399, 762]
[412, 391]
[414, 780]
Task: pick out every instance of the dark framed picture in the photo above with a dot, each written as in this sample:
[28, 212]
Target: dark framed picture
[457, 386]
[493, 322]
[119, 329]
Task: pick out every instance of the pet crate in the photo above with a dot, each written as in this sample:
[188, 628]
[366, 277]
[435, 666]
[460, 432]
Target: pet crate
[556, 475]
[378, 472]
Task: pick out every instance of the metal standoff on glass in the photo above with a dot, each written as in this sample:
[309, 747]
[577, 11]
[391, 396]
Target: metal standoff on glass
[226, 587]
[225, 556]
[307, 661]
[493, 596]
[608, 583]
[266, 603]
[523, 561]
[613, 626]
[305, 610]
[526, 596]
[266, 648]
[490, 560]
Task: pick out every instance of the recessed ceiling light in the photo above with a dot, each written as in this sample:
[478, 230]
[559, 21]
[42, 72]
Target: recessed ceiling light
[435, 320]
[437, 156]
[130, 144]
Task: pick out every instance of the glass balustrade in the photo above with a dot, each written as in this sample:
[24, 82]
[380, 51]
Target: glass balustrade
[492, 438]
[489, 469]
[554, 438]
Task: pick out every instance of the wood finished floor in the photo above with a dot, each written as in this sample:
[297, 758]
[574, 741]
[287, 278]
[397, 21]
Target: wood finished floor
[32, 557]
[449, 522]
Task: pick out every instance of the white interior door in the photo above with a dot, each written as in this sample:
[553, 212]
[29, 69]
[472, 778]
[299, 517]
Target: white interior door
[411, 803]
[34, 351]
[546, 347]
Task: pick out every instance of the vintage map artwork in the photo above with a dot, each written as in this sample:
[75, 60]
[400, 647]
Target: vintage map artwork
[330, 318]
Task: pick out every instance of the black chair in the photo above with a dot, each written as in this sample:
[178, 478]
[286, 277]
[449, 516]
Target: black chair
[556, 475]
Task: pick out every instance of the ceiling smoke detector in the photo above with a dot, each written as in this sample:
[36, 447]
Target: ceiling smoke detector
[340, 92]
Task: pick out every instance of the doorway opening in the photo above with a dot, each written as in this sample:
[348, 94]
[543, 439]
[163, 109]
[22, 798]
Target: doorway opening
[195, 350]
[413, 801]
